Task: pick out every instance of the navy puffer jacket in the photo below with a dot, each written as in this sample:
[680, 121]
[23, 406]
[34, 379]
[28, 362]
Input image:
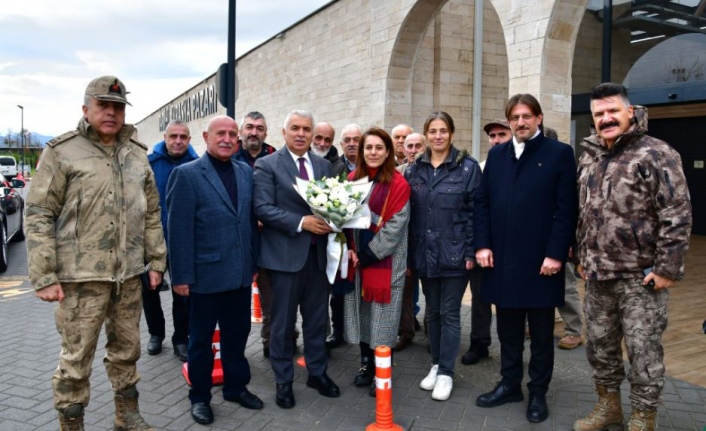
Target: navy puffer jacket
[441, 222]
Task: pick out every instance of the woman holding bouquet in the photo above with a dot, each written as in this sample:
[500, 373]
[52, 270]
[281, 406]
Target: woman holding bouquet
[443, 182]
[372, 310]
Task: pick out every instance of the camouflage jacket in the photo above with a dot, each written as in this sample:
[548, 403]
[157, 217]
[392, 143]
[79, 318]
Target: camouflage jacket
[93, 212]
[635, 211]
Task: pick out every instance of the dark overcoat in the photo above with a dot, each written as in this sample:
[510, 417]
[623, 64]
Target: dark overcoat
[526, 210]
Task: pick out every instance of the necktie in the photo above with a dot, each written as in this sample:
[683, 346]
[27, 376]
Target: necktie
[302, 169]
[305, 176]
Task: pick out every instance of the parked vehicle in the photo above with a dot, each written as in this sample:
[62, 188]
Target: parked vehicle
[12, 211]
[8, 167]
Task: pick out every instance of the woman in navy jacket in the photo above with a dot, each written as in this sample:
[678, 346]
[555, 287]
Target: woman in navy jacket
[443, 183]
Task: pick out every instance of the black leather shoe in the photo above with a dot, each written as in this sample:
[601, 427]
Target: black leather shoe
[181, 352]
[335, 341]
[285, 396]
[154, 346]
[366, 376]
[202, 413]
[324, 385]
[247, 399]
[474, 355]
[500, 395]
[537, 410]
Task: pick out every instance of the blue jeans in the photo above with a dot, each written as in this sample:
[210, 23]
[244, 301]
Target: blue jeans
[443, 296]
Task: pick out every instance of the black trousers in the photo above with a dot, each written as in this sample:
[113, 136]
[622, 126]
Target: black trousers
[231, 310]
[306, 289]
[154, 316]
[511, 332]
[481, 312]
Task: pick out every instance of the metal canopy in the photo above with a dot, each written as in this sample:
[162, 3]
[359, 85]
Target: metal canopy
[647, 19]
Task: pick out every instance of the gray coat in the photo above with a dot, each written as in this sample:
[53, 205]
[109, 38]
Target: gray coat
[371, 322]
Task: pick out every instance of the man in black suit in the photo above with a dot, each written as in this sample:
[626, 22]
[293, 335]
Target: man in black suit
[293, 250]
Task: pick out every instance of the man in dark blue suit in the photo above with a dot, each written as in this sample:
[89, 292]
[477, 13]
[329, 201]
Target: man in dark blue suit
[293, 250]
[212, 251]
[525, 220]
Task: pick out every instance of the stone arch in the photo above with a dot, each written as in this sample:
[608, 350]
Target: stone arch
[416, 83]
[540, 46]
[400, 72]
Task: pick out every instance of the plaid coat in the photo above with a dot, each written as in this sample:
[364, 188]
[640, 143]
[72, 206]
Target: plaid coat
[371, 322]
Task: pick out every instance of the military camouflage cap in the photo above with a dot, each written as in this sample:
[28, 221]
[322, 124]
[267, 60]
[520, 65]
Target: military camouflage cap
[108, 88]
[499, 122]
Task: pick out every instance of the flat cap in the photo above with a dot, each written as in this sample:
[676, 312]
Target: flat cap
[498, 122]
[108, 88]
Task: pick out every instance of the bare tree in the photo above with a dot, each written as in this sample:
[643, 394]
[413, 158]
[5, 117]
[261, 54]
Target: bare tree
[8, 139]
[680, 71]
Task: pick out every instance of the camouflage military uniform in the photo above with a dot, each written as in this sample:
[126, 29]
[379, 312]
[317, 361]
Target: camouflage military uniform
[93, 220]
[635, 213]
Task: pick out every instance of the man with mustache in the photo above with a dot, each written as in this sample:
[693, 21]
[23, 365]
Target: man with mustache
[524, 224]
[253, 132]
[213, 244]
[322, 145]
[633, 234]
[93, 222]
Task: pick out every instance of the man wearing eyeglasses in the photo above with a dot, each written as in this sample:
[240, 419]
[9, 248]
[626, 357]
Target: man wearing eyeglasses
[524, 222]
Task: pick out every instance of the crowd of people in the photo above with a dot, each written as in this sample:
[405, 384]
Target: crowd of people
[105, 221]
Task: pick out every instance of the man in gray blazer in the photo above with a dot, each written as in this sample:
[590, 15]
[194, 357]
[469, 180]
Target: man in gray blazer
[212, 251]
[293, 250]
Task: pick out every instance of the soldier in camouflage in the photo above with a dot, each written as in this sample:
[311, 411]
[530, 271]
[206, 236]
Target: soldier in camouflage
[93, 221]
[635, 216]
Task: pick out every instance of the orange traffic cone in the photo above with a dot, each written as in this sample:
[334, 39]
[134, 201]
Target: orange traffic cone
[217, 374]
[383, 391]
[256, 306]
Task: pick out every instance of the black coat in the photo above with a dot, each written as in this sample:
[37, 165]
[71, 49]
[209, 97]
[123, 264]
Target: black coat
[441, 221]
[526, 210]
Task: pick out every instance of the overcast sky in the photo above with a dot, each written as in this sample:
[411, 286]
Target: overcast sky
[50, 50]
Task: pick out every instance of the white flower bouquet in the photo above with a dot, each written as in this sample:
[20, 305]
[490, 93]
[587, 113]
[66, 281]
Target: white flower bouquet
[342, 205]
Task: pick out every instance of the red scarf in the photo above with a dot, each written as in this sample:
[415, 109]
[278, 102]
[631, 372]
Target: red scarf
[386, 200]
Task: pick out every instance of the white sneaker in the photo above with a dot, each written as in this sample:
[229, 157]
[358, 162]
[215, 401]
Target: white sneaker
[429, 382]
[442, 389]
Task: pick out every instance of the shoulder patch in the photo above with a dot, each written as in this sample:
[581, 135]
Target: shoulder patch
[138, 143]
[62, 138]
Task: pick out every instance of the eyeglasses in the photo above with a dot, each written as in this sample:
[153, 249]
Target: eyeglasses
[516, 118]
[348, 140]
[411, 146]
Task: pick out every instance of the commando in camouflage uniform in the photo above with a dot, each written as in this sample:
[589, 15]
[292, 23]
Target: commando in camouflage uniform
[635, 213]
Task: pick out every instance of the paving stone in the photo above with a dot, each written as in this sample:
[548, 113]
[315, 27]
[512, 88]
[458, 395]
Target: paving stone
[31, 348]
